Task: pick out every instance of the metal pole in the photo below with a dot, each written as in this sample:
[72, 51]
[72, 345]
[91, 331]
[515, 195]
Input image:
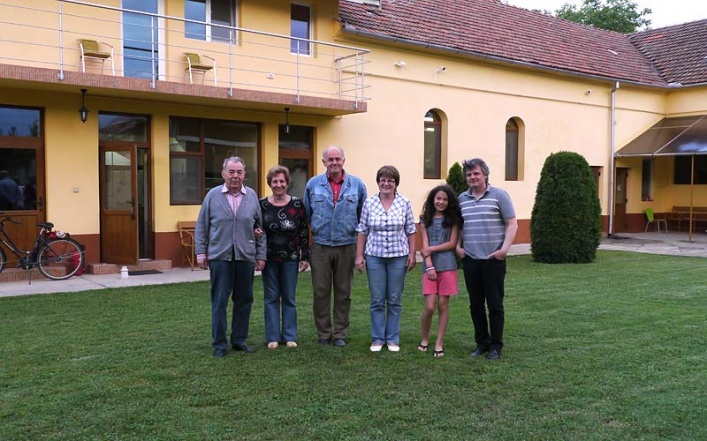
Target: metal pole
[612, 164]
[692, 193]
[152, 50]
[61, 41]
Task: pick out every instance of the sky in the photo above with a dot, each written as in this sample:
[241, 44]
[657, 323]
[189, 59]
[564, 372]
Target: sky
[665, 12]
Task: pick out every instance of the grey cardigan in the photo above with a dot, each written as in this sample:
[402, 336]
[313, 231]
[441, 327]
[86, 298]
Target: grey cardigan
[218, 231]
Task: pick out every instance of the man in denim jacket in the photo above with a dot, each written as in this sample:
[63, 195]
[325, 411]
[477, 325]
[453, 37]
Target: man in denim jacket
[333, 201]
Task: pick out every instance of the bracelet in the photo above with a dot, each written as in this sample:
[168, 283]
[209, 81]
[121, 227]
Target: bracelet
[430, 268]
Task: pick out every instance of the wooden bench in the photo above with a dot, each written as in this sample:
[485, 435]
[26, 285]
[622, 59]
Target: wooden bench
[682, 213]
[186, 237]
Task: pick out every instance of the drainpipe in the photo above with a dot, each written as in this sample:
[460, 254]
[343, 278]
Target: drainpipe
[612, 165]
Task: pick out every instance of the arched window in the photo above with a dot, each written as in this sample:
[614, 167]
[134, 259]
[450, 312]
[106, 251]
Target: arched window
[432, 164]
[514, 151]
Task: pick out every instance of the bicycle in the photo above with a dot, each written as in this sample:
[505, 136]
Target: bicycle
[55, 254]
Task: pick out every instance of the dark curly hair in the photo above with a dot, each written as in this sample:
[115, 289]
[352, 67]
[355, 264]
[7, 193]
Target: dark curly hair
[452, 215]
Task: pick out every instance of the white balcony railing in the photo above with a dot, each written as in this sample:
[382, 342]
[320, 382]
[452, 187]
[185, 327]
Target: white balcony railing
[46, 34]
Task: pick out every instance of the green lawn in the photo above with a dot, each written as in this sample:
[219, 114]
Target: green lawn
[613, 350]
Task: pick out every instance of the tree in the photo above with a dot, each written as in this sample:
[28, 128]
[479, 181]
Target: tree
[613, 15]
[565, 224]
[456, 180]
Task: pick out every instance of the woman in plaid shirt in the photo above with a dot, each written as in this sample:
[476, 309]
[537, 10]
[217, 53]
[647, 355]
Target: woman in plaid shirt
[385, 246]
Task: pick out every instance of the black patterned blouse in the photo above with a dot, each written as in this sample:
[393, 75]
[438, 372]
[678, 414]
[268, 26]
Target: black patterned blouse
[287, 230]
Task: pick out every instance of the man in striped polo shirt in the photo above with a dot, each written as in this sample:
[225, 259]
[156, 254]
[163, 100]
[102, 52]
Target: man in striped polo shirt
[489, 229]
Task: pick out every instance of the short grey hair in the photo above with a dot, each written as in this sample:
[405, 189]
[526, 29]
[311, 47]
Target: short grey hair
[326, 150]
[232, 159]
[473, 163]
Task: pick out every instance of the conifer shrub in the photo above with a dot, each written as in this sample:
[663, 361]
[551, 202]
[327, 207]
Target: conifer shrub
[456, 179]
[565, 225]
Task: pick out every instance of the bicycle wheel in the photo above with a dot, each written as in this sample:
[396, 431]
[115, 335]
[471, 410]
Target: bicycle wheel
[60, 259]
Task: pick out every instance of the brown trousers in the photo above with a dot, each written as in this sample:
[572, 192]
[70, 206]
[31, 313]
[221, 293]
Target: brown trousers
[332, 266]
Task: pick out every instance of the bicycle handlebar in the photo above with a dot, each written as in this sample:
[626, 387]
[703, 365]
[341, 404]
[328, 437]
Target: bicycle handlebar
[8, 218]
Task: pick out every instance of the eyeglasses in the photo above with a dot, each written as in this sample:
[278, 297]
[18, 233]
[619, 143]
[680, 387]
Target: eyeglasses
[386, 181]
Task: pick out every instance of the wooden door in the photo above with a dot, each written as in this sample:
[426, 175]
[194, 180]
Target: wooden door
[620, 200]
[119, 203]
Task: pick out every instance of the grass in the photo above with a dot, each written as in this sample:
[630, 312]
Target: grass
[612, 350]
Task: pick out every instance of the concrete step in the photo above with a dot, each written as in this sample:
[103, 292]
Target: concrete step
[17, 274]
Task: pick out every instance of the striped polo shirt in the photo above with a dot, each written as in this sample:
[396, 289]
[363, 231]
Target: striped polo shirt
[484, 227]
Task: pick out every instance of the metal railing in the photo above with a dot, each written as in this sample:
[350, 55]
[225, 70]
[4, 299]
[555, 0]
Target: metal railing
[45, 34]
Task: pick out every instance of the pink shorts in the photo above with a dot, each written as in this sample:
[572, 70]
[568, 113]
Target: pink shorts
[447, 284]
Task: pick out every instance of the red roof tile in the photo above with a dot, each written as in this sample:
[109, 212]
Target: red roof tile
[488, 28]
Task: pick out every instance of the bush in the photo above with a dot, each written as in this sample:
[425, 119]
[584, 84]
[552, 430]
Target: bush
[565, 225]
[456, 179]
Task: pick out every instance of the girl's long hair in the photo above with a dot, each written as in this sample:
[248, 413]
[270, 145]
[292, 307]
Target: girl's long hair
[452, 215]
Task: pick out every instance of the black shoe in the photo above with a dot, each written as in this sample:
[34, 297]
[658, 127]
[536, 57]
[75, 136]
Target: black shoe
[323, 341]
[479, 351]
[219, 354]
[339, 342]
[494, 354]
[243, 348]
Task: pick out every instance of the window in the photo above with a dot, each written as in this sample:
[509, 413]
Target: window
[646, 177]
[20, 147]
[301, 27]
[217, 12]
[433, 146]
[512, 150]
[197, 148]
[140, 59]
[683, 165]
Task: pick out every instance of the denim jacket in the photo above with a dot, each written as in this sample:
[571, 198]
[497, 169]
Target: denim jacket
[334, 225]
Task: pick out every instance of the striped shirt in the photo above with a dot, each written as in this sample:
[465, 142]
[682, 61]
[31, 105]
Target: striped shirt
[234, 199]
[484, 227]
[387, 231]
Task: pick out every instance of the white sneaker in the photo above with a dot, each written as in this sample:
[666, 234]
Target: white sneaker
[376, 347]
[392, 347]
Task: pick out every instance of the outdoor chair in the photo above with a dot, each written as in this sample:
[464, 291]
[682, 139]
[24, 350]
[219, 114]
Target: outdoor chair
[651, 218]
[186, 237]
[96, 50]
[194, 64]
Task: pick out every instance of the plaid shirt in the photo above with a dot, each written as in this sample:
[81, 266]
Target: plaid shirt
[387, 231]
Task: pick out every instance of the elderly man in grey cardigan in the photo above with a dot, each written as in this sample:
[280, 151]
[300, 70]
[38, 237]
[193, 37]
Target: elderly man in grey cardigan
[226, 236]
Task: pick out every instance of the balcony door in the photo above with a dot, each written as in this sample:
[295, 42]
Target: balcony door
[141, 39]
[295, 151]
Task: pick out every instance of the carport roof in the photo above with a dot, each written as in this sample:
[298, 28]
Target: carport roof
[681, 136]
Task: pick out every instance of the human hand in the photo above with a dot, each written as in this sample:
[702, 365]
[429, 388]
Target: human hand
[498, 254]
[201, 261]
[259, 265]
[425, 252]
[431, 274]
[360, 264]
[410, 264]
[258, 232]
[460, 252]
[303, 265]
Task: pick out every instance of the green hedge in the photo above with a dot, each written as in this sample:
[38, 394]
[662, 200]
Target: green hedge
[565, 226]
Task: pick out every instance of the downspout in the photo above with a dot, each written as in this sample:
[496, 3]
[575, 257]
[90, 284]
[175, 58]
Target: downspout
[612, 165]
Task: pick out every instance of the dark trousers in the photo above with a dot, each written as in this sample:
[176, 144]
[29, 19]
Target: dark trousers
[332, 267]
[485, 284]
[235, 276]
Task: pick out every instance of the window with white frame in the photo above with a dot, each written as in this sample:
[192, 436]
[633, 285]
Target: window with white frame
[300, 29]
[215, 12]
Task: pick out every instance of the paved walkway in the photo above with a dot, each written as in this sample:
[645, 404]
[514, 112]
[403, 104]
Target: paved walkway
[676, 244]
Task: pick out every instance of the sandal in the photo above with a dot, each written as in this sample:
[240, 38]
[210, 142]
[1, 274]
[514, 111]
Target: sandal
[438, 354]
[292, 344]
[422, 348]
[273, 345]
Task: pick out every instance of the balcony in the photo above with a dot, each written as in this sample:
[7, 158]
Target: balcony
[145, 58]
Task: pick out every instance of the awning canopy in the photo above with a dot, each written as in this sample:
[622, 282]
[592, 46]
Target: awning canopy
[681, 136]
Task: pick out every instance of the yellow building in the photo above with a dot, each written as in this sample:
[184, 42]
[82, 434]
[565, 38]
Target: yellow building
[115, 115]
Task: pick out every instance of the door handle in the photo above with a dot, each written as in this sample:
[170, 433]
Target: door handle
[39, 203]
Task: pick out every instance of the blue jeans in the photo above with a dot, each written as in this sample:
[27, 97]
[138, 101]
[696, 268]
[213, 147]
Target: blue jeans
[230, 276]
[386, 280]
[279, 286]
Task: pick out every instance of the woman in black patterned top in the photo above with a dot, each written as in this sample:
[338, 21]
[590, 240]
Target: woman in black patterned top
[287, 233]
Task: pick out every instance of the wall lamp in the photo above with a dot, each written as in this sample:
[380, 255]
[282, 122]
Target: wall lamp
[287, 120]
[400, 64]
[83, 111]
